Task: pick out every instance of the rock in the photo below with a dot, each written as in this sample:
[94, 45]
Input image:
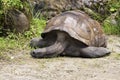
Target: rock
[16, 21]
[50, 8]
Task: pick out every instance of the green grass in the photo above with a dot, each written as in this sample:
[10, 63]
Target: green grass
[14, 43]
[111, 29]
[111, 25]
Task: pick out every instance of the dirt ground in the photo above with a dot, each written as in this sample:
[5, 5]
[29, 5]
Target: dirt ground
[24, 67]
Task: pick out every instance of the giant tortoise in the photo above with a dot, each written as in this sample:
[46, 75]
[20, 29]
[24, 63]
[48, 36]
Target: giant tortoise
[72, 33]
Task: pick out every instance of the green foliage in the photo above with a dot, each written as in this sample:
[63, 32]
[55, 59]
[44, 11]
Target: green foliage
[12, 4]
[37, 26]
[13, 43]
[114, 5]
[112, 25]
[9, 4]
[112, 29]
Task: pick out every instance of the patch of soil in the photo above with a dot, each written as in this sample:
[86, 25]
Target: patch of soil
[24, 67]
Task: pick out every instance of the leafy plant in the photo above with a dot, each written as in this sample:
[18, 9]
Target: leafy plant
[114, 5]
[110, 29]
[112, 24]
[12, 4]
[13, 43]
[37, 26]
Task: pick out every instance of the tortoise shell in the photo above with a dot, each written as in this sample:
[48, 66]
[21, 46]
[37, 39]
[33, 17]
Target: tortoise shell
[79, 26]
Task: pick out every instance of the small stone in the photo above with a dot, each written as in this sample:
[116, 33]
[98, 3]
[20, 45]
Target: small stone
[12, 57]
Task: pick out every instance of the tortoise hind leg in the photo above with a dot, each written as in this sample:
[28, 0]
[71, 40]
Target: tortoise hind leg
[94, 52]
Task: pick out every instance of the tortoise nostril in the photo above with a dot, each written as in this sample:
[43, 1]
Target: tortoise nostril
[32, 53]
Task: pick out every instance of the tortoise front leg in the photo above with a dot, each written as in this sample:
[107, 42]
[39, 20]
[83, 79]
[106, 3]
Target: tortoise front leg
[53, 50]
[47, 52]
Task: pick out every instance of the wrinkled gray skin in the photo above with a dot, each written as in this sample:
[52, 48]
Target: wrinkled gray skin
[60, 43]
